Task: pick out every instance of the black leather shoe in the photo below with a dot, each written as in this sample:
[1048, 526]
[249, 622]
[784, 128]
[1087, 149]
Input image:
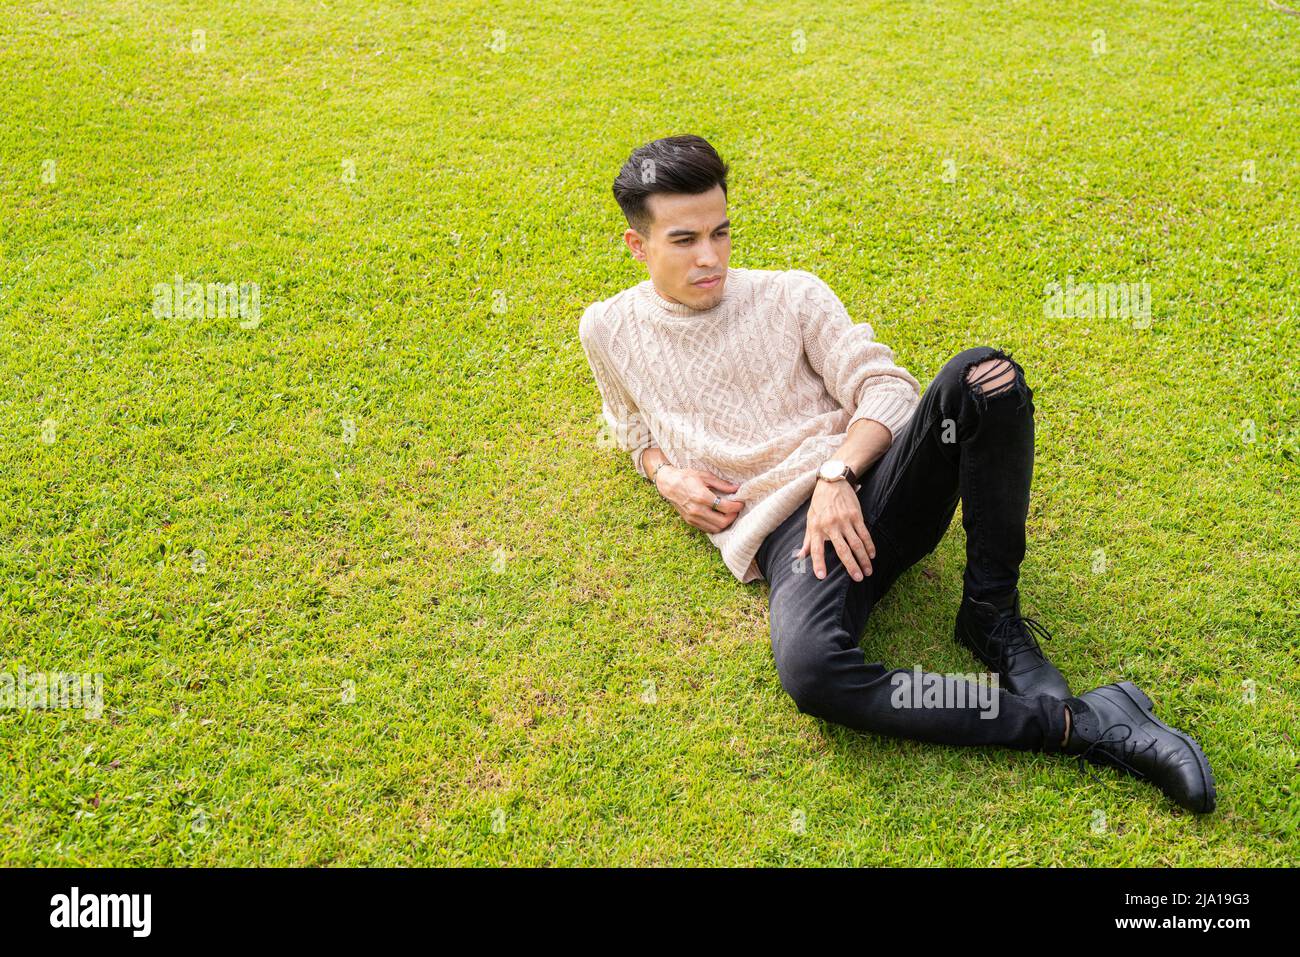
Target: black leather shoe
[1005, 642]
[1114, 724]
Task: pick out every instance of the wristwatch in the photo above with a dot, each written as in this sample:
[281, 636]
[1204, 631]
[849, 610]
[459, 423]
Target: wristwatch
[833, 470]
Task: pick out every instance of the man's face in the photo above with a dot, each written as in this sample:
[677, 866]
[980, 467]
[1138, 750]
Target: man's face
[688, 246]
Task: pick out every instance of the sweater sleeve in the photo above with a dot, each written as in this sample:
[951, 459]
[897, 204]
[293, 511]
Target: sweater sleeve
[859, 372]
[629, 430]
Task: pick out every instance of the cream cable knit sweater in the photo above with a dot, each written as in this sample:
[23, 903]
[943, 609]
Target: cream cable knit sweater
[761, 389]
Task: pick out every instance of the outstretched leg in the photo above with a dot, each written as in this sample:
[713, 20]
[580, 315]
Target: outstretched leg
[816, 624]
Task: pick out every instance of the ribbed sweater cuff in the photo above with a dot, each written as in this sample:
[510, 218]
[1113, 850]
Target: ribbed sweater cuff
[890, 409]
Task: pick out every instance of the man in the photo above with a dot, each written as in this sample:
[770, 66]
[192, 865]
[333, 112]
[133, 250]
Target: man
[771, 421]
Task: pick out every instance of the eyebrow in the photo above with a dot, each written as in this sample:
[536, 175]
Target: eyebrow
[690, 232]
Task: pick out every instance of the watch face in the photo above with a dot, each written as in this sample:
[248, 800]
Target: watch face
[832, 469]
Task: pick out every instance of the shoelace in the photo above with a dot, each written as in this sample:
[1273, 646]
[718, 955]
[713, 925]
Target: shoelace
[1016, 634]
[1116, 749]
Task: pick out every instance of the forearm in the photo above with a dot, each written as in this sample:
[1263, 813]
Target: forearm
[867, 441]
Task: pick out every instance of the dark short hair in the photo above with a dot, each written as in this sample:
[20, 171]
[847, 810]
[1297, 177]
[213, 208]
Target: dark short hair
[674, 164]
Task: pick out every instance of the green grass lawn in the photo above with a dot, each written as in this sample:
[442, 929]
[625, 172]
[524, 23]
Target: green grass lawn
[365, 586]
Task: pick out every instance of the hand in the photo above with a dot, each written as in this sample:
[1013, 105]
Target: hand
[691, 492]
[835, 516]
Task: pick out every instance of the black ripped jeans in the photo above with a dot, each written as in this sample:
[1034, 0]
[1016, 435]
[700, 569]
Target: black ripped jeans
[964, 441]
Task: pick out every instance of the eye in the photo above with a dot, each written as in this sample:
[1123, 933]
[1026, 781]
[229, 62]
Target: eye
[681, 242]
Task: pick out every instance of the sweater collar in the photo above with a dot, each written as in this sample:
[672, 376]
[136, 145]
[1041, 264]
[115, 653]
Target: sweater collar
[679, 310]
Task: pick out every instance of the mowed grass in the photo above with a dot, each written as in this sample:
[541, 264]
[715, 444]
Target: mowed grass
[440, 621]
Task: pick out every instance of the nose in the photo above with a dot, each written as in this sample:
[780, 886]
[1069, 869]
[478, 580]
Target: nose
[708, 257]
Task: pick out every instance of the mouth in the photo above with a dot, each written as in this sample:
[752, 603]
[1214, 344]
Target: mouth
[708, 283]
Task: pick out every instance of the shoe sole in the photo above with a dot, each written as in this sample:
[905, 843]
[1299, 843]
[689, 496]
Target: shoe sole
[1146, 705]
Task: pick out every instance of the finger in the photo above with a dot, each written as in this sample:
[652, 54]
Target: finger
[819, 556]
[716, 481]
[706, 498]
[706, 523]
[721, 515]
[865, 535]
[731, 505]
[860, 552]
[718, 519]
[844, 548]
[859, 560]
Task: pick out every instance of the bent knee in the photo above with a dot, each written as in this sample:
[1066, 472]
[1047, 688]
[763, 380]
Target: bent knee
[991, 377]
[984, 371]
[807, 680]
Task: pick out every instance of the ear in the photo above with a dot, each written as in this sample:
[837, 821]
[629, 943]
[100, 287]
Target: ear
[635, 242]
